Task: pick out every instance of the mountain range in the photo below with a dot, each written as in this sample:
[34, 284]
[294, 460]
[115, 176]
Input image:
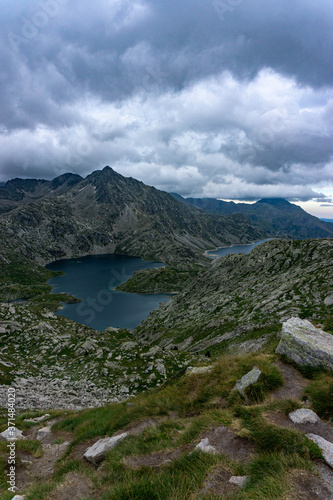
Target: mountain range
[276, 216]
[70, 216]
[182, 366]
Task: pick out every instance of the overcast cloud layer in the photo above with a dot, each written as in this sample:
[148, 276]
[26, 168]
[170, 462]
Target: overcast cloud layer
[230, 99]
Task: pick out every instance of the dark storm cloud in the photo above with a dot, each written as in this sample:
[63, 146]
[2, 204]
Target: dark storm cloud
[196, 96]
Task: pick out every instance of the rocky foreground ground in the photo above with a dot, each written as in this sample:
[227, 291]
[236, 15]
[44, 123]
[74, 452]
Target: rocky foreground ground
[250, 427]
[56, 363]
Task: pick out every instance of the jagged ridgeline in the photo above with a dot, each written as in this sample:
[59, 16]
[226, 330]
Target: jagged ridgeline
[108, 213]
[276, 216]
[238, 304]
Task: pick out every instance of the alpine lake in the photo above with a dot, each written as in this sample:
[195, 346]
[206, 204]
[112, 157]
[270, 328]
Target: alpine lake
[93, 280]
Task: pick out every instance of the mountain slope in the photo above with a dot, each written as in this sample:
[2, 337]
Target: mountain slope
[108, 213]
[18, 192]
[242, 298]
[276, 216]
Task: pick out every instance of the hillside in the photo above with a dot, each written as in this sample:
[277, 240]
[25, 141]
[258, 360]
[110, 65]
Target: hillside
[194, 437]
[241, 299]
[276, 216]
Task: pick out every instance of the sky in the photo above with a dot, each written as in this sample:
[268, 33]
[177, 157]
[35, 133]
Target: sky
[231, 99]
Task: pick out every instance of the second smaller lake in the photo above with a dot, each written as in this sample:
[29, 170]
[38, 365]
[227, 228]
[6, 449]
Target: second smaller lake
[223, 251]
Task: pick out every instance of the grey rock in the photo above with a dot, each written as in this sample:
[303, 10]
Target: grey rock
[304, 416]
[184, 345]
[305, 344]
[325, 446]
[198, 369]
[123, 389]
[43, 433]
[152, 351]
[205, 447]
[160, 368]
[329, 300]
[248, 379]
[37, 419]
[96, 453]
[239, 480]
[11, 434]
[127, 346]
[75, 401]
[18, 497]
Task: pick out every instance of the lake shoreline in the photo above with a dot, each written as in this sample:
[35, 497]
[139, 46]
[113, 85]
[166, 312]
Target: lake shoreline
[93, 280]
[215, 257]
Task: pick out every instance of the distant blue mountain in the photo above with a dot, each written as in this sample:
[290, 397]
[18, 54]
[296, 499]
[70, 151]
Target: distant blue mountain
[276, 216]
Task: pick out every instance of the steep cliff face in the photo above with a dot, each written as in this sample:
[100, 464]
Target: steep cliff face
[242, 297]
[276, 216]
[107, 213]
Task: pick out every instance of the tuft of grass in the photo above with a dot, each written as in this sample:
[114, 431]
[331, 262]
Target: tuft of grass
[328, 324]
[266, 471]
[40, 491]
[32, 447]
[271, 438]
[181, 479]
[269, 380]
[320, 392]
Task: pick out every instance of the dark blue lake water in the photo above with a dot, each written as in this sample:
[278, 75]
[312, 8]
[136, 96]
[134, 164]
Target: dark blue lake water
[93, 279]
[223, 251]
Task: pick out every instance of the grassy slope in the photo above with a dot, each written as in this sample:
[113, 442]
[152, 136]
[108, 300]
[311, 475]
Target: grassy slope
[186, 408]
[243, 297]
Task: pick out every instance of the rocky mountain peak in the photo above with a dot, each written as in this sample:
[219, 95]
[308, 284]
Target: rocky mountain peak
[277, 202]
[68, 179]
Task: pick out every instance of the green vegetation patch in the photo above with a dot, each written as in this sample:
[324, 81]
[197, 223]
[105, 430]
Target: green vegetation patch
[162, 280]
[320, 392]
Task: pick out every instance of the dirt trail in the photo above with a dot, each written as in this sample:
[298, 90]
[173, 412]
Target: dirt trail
[294, 383]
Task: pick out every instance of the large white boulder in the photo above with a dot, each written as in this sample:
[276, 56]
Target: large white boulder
[305, 344]
[325, 446]
[96, 453]
[304, 416]
[11, 434]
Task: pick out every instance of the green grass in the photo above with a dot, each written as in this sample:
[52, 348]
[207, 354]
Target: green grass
[271, 438]
[161, 280]
[269, 380]
[31, 447]
[268, 475]
[40, 491]
[189, 396]
[181, 479]
[183, 410]
[320, 392]
[22, 279]
[328, 324]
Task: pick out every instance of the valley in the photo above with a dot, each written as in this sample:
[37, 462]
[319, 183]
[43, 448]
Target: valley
[164, 381]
